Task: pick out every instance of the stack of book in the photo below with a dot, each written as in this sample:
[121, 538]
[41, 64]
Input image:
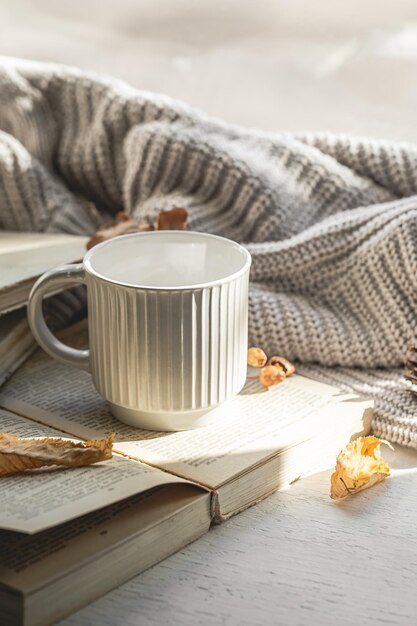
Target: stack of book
[69, 536]
[23, 258]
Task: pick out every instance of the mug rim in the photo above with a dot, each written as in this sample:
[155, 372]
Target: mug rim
[212, 283]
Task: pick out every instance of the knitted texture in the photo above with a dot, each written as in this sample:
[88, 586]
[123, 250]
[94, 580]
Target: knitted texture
[330, 221]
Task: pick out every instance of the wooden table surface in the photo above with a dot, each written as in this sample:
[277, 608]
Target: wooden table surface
[297, 558]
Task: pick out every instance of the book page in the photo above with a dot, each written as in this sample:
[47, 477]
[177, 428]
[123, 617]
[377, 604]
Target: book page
[248, 429]
[33, 501]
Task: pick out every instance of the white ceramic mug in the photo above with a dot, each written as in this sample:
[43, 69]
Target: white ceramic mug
[168, 324]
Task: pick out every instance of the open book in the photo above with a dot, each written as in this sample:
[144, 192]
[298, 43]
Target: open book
[72, 535]
[25, 256]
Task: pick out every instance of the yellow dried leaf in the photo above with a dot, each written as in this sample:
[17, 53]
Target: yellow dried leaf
[358, 466]
[18, 455]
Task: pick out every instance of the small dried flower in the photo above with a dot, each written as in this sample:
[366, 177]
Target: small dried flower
[271, 375]
[283, 363]
[358, 466]
[256, 357]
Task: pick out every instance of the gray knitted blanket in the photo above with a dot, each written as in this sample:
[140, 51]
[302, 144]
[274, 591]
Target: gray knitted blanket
[330, 221]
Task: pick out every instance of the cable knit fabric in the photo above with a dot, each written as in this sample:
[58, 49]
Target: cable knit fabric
[330, 221]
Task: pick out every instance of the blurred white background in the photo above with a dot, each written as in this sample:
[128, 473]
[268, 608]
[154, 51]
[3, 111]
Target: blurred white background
[347, 66]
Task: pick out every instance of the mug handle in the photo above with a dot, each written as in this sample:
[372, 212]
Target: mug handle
[53, 279]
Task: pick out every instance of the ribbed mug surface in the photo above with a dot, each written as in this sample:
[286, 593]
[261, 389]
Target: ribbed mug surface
[168, 351]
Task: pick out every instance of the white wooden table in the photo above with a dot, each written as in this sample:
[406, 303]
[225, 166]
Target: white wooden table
[297, 558]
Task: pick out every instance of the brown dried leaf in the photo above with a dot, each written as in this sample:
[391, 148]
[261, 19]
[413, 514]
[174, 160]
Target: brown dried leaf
[358, 466]
[123, 225]
[18, 455]
[175, 219]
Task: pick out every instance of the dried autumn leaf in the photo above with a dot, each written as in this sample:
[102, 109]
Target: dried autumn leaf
[122, 225]
[174, 219]
[358, 466]
[18, 455]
